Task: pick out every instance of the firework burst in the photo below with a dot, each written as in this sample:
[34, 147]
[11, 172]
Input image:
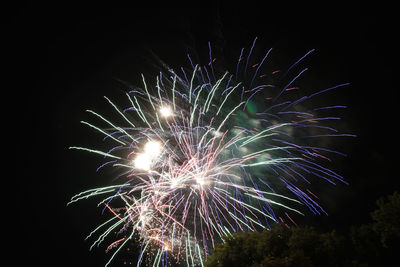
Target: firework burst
[202, 155]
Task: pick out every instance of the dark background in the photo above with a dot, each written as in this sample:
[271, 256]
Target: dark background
[61, 60]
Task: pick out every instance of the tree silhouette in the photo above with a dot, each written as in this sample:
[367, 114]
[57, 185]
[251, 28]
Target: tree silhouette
[372, 244]
[387, 220]
[280, 246]
[377, 243]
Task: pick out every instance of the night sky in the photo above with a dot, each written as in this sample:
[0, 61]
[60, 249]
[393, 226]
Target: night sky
[63, 59]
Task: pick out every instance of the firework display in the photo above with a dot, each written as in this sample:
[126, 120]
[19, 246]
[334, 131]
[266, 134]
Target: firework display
[202, 154]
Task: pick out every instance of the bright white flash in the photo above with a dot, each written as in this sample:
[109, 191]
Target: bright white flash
[174, 183]
[166, 111]
[199, 180]
[143, 162]
[152, 149]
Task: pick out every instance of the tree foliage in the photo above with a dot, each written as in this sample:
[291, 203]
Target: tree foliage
[387, 220]
[373, 244]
